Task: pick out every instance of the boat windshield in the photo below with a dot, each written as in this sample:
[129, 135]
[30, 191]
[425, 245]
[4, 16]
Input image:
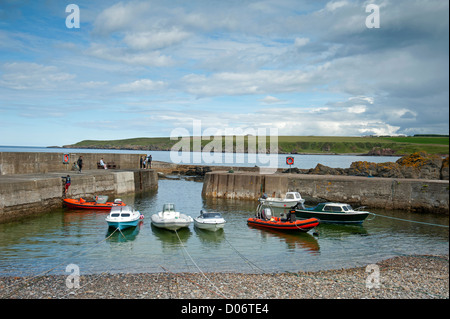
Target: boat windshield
[330, 208]
[169, 208]
[101, 199]
[211, 215]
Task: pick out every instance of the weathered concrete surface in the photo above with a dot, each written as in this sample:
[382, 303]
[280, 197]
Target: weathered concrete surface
[408, 194]
[187, 169]
[31, 163]
[28, 194]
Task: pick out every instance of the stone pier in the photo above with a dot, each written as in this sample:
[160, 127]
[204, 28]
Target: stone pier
[407, 194]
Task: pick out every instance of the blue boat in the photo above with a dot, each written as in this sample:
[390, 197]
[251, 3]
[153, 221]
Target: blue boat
[122, 217]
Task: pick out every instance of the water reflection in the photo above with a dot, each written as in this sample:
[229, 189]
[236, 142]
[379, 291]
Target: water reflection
[210, 237]
[293, 240]
[169, 239]
[124, 235]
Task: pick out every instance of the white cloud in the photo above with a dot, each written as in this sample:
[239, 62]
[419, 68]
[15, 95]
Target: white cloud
[299, 42]
[154, 39]
[123, 55]
[271, 100]
[334, 5]
[32, 76]
[142, 85]
[260, 82]
[357, 109]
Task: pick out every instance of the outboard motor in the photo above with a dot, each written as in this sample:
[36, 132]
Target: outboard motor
[268, 213]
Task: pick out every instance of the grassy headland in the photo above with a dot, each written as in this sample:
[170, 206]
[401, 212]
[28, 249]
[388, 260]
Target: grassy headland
[294, 144]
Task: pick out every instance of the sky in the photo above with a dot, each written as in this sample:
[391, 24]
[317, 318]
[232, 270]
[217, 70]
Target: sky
[149, 68]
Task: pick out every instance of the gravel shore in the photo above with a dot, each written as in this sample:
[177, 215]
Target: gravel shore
[409, 277]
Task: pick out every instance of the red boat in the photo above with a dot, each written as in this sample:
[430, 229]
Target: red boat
[100, 202]
[264, 219]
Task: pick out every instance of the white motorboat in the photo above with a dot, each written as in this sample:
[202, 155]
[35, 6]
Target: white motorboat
[290, 199]
[122, 217]
[209, 221]
[170, 219]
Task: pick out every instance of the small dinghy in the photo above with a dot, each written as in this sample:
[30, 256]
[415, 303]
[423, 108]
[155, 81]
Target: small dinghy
[122, 217]
[265, 219]
[170, 219]
[99, 202]
[209, 221]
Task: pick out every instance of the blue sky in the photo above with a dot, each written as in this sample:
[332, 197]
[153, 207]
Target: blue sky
[145, 68]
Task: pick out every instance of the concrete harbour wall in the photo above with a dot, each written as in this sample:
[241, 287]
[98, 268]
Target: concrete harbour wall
[29, 194]
[408, 194]
[31, 163]
[31, 183]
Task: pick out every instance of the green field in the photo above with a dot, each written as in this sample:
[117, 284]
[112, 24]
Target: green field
[295, 144]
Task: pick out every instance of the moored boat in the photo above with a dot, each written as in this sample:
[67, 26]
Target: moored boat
[265, 219]
[289, 200]
[99, 202]
[122, 217]
[333, 213]
[170, 219]
[209, 221]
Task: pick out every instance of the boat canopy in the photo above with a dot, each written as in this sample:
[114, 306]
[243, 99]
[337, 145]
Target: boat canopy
[121, 209]
[168, 208]
[293, 195]
[210, 215]
[334, 207]
[101, 199]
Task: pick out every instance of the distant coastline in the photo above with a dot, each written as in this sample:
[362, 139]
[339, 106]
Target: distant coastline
[298, 145]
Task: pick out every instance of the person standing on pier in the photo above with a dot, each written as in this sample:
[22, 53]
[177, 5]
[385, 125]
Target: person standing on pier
[80, 163]
[149, 161]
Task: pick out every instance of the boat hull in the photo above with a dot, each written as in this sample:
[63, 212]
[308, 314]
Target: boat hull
[171, 224]
[298, 225]
[335, 218]
[76, 204]
[123, 225]
[209, 226]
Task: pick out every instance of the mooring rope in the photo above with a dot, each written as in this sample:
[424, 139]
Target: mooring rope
[178, 275]
[243, 257]
[181, 243]
[408, 220]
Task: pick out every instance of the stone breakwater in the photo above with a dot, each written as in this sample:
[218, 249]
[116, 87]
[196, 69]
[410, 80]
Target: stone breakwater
[407, 194]
[29, 194]
[406, 277]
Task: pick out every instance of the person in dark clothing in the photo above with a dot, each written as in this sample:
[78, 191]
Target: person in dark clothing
[149, 161]
[80, 163]
[66, 180]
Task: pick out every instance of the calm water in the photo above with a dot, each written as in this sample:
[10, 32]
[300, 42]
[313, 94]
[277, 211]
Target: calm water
[58, 238]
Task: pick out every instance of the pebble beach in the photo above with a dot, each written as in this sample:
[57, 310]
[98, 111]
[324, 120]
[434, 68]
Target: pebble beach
[405, 277]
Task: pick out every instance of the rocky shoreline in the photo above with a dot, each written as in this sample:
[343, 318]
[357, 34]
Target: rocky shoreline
[405, 277]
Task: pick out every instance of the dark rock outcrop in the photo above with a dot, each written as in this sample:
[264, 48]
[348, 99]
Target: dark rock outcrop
[419, 165]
